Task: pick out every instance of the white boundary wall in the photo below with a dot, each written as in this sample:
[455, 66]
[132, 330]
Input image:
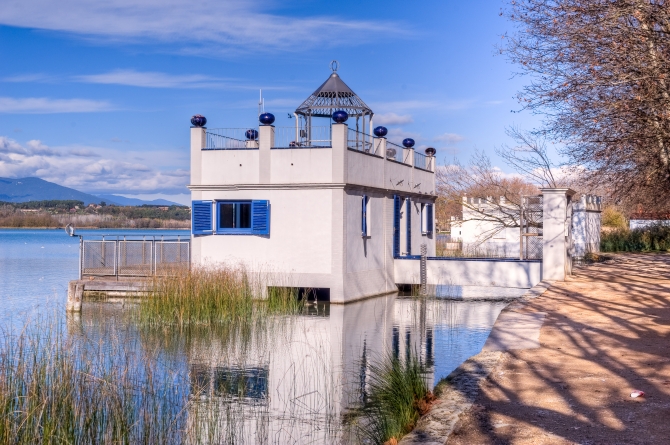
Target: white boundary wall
[471, 272]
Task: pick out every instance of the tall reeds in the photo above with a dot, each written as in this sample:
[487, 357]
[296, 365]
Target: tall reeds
[55, 390]
[220, 295]
[396, 396]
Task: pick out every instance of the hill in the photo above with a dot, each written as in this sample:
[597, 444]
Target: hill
[123, 201]
[36, 189]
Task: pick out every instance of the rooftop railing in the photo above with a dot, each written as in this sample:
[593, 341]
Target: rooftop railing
[310, 137]
[231, 139]
[394, 151]
[360, 141]
[421, 161]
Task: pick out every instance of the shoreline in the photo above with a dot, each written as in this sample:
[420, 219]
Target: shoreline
[566, 376]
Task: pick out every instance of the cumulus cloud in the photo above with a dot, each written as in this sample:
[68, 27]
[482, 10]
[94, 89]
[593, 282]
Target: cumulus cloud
[393, 119]
[242, 25]
[93, 169]
[449, 138]
[43, 105]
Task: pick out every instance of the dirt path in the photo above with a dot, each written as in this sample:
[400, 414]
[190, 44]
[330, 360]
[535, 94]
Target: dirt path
[606, 332]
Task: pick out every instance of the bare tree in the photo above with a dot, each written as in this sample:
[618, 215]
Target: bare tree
[529, 157]
[599, 74]
[495, 198]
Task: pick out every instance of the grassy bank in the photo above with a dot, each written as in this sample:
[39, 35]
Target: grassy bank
[651, 239]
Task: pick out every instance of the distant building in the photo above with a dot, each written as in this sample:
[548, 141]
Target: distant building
[642, 220]
[327, 207]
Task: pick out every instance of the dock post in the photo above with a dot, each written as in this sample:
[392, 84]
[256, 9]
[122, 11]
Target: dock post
[75, 292]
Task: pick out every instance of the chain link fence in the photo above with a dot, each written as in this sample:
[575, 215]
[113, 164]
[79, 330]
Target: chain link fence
[137, 256]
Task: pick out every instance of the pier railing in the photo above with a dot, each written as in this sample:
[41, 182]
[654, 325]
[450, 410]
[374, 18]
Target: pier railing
[133, 256]
[232, 139]
[310, 137]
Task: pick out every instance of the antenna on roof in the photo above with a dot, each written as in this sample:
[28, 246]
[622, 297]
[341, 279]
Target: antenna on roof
[260, 102]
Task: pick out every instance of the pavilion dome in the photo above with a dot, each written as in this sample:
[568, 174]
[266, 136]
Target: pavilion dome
[331, 96]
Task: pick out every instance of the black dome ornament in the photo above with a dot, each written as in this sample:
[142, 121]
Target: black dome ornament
[198, 120]
[408, 143]
[266, 118]
[340, 116]
[430, 151]
[380, 131]
[251, 134]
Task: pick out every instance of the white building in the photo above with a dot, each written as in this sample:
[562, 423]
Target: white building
[492, 227]
[321, 207]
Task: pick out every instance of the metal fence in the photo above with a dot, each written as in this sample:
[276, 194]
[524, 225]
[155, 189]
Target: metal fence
[309, 137]
[231, 139]
[421, 161]
[133, 256]
[359, 141]
[394, 151]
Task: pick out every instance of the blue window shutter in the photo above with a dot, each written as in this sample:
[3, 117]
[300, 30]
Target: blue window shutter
[260, 217]
[201, 217]
[396, 226]
[409, 226]
[364, 216]
[429, 220]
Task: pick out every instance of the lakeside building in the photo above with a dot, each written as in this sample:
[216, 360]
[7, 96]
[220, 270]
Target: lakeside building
[317, 206]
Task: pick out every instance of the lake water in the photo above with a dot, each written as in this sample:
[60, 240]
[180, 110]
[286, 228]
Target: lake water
[295, 378]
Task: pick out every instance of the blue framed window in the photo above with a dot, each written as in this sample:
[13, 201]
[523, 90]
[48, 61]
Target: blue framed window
[249, 217]
[396, 225]
[426, 219]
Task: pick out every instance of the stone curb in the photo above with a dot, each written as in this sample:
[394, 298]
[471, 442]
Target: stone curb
[456, 393]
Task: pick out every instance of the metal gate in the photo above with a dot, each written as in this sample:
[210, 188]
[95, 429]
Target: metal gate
[530, 222]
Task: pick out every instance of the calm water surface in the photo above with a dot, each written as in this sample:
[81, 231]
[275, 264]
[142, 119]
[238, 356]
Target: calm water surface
[286, 380]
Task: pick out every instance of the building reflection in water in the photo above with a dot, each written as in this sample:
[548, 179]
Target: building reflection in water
[290, 379]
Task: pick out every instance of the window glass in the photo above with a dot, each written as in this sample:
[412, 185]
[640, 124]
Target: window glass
[227, 216]
[235, 215]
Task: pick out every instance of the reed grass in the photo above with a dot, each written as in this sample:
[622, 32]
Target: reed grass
[55, 390]
[397, 396]
[655, 238]
[220, 295]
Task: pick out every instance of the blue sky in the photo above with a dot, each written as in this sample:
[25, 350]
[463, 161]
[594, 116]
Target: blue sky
[98, 95]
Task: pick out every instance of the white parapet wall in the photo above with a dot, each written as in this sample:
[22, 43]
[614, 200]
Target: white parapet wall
[471, 272]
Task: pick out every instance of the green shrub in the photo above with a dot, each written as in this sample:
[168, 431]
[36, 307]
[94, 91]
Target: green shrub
[655, 238]
[611, 217]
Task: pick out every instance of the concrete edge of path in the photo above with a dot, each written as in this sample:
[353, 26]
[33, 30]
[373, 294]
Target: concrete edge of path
[456, 393]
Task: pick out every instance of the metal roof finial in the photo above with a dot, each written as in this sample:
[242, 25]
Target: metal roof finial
[334, 65]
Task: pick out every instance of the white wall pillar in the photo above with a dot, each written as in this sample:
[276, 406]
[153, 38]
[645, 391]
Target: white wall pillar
[555, 229]
[339, 150]
[198, 142]
[379, 146]
[266, 140]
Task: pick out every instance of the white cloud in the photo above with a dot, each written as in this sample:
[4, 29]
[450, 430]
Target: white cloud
[155, 80]
[94, 169]
[242, 25]
[392, 119]
[43, 105]
[449, 138]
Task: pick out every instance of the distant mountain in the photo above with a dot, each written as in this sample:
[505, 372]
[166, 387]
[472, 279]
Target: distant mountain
[36, 189]
[122, 200]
